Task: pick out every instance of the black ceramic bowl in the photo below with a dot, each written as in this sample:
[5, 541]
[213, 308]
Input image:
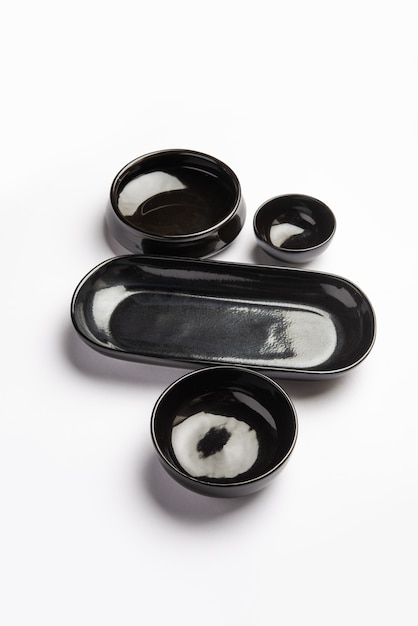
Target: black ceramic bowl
[176, 203]
[224, 431]
[294, 228]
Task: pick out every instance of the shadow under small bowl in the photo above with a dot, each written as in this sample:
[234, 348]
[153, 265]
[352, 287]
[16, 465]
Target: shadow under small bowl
[175, 203]
[294, 228]
[224, 431]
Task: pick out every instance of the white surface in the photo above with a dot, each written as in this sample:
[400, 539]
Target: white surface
[315, 98]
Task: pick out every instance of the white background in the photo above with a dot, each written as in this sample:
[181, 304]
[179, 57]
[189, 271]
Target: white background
[308, 97]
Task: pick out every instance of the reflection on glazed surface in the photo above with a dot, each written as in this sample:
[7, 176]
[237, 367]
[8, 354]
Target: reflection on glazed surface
[179, 201]
[144, 187]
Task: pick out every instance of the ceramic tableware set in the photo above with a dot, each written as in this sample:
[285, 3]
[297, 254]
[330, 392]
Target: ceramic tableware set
[227, 427]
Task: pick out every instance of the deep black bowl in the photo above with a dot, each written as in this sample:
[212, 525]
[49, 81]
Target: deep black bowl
[176, 203]
[224, 431]
[294, 228]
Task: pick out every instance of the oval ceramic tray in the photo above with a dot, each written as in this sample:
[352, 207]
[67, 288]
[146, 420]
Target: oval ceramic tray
[287, 323]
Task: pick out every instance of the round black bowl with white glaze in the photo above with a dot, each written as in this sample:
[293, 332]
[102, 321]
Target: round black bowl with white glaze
[176, 203]
[294, 228]
[224, 431]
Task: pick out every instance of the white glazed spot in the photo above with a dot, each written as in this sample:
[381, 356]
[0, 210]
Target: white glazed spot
[104, 303]
[214, 446]
[279, 233]
[140, 189]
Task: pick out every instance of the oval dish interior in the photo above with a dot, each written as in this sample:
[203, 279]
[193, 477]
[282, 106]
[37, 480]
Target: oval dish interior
[285, 322]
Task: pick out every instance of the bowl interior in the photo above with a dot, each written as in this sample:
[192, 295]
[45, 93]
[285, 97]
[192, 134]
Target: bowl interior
[224, 425]
[294, 222]
[175, 193]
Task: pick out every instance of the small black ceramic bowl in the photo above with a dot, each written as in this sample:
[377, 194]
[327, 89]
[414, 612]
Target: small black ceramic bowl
[224, 431]
[294, 228]
[176, 203]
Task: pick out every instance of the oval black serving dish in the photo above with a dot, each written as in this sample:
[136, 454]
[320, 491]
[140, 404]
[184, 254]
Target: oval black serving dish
[285, 322]
[176, 203]
[224, 431]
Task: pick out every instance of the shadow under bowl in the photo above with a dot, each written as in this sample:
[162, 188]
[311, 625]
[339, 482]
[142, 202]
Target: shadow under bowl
[175, 203]
[224, 431]
[294, 228]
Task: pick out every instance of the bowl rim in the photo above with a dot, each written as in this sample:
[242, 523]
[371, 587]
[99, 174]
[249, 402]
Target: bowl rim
[219, 485]
[283, 248]
[113, 197]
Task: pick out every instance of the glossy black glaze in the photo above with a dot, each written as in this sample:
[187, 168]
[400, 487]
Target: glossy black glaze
[309, 223]
[177, 203]
[257, 402]
[288, 323]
